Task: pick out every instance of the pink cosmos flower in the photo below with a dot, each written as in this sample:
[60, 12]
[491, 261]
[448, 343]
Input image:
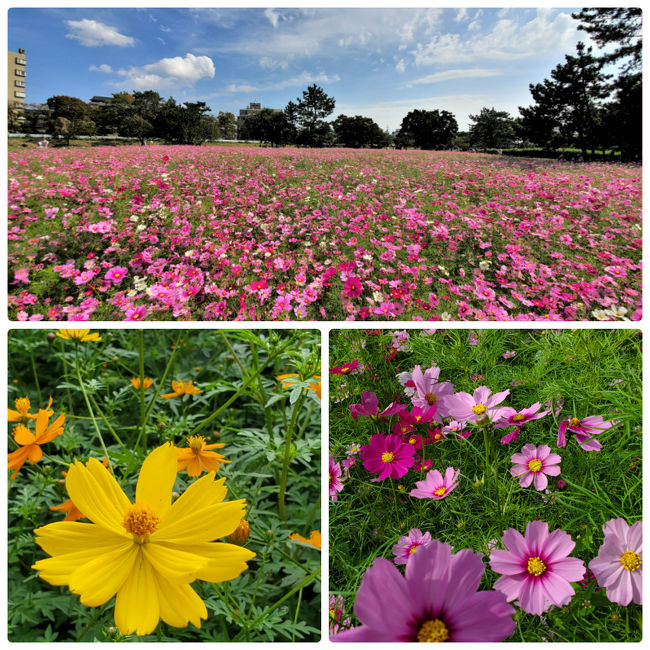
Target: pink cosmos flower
[510, 437]
[618, 565]
[536, 568]
[369, 406]
[436, 600]
[478, 408]
[428, 392]
[435, 486]
[533, 464]
[136, 313]
[353, 287]
[419, 415]
[511, 417]
[338, 620]
[116, 274]
[345, 369]
[335, 481]
[388, 455]
[406, 546]
[584, 429]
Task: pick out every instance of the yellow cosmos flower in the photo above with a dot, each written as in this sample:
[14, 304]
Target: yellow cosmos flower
[78, 335]
[181, 388]
[22, 414]
[314, 538]
[198, 456]
[30, 442]
[148, 382]
[292, 379]
[145, 553]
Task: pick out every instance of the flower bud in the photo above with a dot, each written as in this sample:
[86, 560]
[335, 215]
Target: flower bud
[51, 337]
[561, 484]
[482, 419]
[240, 535]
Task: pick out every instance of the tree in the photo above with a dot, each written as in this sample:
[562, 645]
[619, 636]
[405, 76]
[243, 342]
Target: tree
[428, 129]
[186, 124]
[268, 125]
[134, 126]
[227, 125]
[359, 131]
[308, 116]
[623, 117]
[615, 25]
[111, 115]
[492, 129]
[70, 117]
[567, 106]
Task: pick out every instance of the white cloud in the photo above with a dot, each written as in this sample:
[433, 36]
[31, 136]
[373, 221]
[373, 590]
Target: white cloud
[299, 80]
[92, 33]
[104, 67]
[462, 15]
[401, 66]
[466, 73]
[165, 29]
[273, 18]
[509, 39]
[168, 74]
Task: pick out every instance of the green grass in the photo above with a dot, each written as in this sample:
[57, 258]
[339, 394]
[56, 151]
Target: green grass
[595, 372]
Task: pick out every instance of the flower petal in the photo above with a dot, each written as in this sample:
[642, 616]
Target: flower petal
[179, 604]
[156, 479]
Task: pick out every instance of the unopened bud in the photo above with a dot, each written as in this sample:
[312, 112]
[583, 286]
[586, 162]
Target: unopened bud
[482, 419]
[239, 536]
[51, 337]
[111, 630]
[116, 359]
[561, 484]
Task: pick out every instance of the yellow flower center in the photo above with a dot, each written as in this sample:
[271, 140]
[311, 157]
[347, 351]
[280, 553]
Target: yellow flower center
[196, 443]
[479, 409]
[431, 398]
[518, 418]
[440, 491]
[574, 422]
[140, 519]
[433, 632]
[413, 441]
[535, 465]
[387, 457]
[23, 405]
[535, 566]
[631, 560]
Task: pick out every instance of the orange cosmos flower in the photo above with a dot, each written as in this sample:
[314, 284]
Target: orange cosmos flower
[148, 382]
[288, 381]
[198, 456]
[22, 414]
[314, 538]
[181, 388]
[30, 442]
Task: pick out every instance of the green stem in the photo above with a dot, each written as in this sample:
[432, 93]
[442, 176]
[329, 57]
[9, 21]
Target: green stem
[241, 389]
[295, 618]
[279, 602]
[88, 406]
[92, 621]
[287, 456]
[38, 387]
[143, 408]
[234, 354]
[107, 423]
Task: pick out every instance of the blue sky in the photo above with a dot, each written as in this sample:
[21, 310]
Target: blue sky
[377, 62]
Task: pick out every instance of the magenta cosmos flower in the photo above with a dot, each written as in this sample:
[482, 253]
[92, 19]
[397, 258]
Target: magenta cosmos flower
[536, 568]
[478, 408]
[618, 565]
[437, 600]
[368, 408]
[345, 369]
[435, 486]
[336, 484]
[388, 455]
[512, 417]
[585, 430]
[406, 546]
[533, 464]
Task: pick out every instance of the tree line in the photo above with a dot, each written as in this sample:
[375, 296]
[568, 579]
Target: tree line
[583, 105]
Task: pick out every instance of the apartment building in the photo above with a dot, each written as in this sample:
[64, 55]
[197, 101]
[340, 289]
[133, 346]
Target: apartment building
[16, 78]
[253, 107]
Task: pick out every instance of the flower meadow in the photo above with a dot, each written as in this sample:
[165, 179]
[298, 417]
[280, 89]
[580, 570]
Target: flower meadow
[485, 485]
[163, 485]
[223, 233]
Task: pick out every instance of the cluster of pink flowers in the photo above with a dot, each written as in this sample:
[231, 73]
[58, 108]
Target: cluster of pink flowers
[212, 233]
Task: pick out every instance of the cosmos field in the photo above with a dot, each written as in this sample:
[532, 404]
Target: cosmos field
[237, 233]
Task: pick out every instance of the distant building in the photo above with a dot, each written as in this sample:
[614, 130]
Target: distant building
[98, 100]
[16, 79]
[253, 107]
